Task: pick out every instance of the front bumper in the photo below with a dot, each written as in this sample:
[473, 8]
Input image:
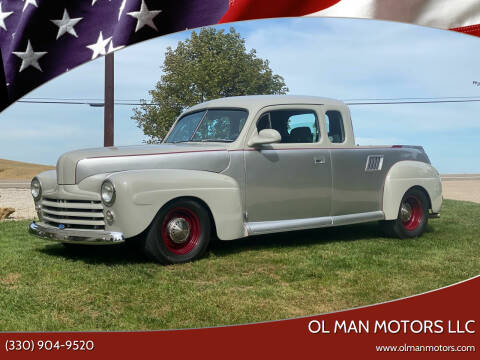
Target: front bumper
[93, 237]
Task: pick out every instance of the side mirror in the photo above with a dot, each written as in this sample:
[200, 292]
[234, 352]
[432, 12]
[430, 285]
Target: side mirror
[265, 136]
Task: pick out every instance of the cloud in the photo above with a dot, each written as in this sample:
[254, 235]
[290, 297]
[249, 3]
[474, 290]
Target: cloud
[366, 58]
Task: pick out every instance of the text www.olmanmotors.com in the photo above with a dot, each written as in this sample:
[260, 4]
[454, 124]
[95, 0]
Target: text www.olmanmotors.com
[425, 348]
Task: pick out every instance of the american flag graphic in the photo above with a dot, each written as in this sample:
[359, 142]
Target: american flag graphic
[41, 39]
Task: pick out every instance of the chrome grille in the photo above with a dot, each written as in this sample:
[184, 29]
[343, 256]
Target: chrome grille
[374, 163]
[73, 214]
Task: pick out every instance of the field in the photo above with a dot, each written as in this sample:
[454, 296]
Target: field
[44, 286]
[15, 170]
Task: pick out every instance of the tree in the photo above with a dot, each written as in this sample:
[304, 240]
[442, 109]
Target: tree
[209, 65]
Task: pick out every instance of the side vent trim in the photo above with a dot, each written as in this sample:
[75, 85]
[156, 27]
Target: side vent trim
[374, 163]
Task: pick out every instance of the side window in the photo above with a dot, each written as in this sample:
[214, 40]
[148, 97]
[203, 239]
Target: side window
[335, 129]
[295, 126]
[221, 125]
[264, 122]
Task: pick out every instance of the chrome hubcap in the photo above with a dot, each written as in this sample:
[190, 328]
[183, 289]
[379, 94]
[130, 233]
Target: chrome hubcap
[178, 230]
[405, 212]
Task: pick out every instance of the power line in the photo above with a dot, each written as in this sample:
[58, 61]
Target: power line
[96, 102]
[352, 99]
[415, 98]
[411, 102]
[74, 99]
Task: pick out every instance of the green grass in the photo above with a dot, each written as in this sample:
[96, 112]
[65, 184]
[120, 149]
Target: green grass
[44, 286]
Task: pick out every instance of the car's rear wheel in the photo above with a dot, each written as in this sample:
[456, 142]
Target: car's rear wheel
[412, 216]
[179, 233]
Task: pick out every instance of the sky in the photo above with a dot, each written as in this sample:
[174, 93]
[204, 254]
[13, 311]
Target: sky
[337, 58]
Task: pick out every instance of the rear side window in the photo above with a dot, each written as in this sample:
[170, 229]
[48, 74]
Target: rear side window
[295, 126]
[335, 129]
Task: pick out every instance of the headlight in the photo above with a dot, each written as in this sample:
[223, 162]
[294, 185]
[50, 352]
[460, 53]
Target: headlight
[108, 193]
[36, 189]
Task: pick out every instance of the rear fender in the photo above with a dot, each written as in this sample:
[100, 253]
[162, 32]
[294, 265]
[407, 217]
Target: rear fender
[405, 175]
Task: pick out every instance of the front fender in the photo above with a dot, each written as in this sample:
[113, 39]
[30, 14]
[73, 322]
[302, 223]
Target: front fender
[140, 194]
[404, 175]
[48, 180]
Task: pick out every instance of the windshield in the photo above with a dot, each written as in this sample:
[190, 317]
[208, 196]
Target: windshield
[214, 125]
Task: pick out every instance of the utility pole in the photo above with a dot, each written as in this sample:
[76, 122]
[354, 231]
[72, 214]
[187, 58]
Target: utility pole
[3, 86]
[108, 127]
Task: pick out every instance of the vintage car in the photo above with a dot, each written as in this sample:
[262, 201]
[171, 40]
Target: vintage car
[231, 168]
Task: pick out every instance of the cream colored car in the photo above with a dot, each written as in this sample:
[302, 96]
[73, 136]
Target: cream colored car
[235, 167]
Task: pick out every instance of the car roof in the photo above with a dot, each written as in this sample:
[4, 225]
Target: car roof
[254, 102]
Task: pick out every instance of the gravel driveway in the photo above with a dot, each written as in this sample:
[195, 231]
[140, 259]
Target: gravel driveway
[19, 199]
[16, 194]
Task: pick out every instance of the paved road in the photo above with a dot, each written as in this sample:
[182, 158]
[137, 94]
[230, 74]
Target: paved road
[14, 184]
[460, 177]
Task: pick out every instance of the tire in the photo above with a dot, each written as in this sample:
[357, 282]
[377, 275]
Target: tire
[179, 233]
[412, 216]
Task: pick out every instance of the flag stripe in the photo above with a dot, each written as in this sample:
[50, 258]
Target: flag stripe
[444, 14]
[257, 9]
[470, 30]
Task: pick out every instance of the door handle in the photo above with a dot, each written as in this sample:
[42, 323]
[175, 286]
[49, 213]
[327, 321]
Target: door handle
[319, 160]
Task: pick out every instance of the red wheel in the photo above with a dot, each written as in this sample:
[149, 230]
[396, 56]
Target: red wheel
[179, 233]
[411, 212]
[412, 216]
[181, 230]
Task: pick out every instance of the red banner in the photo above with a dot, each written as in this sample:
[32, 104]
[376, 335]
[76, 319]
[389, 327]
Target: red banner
[433, 324]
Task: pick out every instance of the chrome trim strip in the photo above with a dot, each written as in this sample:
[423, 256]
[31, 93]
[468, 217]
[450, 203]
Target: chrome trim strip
[71, 204]
[74, 222]
[266, 227]
[80, 214]
[93, 237]
[358, 218]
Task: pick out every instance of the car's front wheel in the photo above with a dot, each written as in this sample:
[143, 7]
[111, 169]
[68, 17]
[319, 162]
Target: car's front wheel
[412, 216]
[179, 233]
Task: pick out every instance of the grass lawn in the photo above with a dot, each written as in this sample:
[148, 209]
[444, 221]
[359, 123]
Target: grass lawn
[44, 286]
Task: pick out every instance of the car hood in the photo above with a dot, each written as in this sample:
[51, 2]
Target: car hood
[74, 166]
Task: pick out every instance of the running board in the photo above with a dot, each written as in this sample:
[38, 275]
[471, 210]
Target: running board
[267, 227]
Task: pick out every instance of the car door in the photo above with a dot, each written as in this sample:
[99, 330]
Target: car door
[291, 179]
[349, 162]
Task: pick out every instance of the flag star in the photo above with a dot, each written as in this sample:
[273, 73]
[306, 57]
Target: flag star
[29, 2]
[99, 47]
[29, 57]
[3, 16]
[66, 24]
[111, 48]
[94, 1]
[144, 17]
[122, 7]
